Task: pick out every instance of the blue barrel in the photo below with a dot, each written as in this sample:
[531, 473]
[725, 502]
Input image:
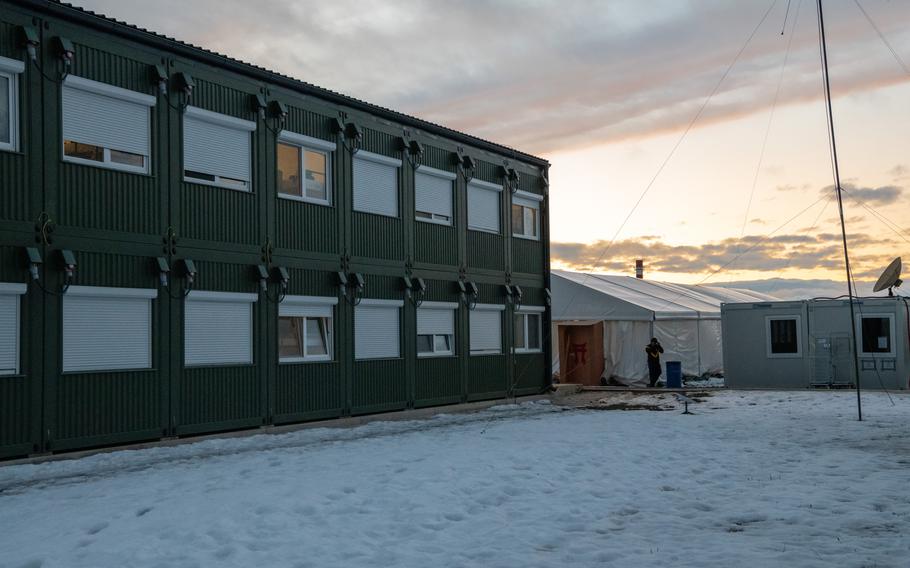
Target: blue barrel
[674, 374]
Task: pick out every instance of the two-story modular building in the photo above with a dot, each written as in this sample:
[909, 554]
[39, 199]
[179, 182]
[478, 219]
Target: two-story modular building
[192, 244]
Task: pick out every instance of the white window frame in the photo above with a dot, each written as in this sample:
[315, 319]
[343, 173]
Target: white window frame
[81, 83]
[398, 305]
[447, 306]
[229, 122]
[222, 297]
[799, 340]
[303, 142]
[488, 308]
[859, 334]
[525, 312]
[17, 290]
[379, 159]
[11, 69]
[310, 307]
[486, 186]
[527, 201]
[436, 218]
[149, 294]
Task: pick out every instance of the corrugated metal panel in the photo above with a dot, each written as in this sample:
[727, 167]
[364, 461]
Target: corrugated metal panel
[309, 123]
[433, 194]
[92, 406]
[531, 373]
[219, 215]
[378, 385]
[103, 199]
[14, 179]
[487, 376]
[216, 148]
[221, 98]
[307, 227]
[485, 250]
[112, 68]
[308, 389]
[217, 332]
[15, 415]
[219, 398]
[485, 330]
[377, 236]
[437, 379]
[527, 256]
[484, 208]
[92, 118]
[375, 187]
[9, 334]
[106, 333]
[436, 244]
[376, 332]
[435, 321]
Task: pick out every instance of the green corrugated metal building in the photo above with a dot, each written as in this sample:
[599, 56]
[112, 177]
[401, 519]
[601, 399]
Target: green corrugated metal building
[192, 244]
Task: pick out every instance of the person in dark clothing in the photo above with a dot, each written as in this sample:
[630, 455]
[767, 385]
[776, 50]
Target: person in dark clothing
[654, 349]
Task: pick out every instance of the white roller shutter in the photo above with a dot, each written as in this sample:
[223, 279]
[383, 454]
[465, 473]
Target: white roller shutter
[107, 328]
[9, 327]
[435, 321]
[218, 328]
[376, 330]
[217, 144]
[376, 184]
[486, 331]
[433, 192]
[106, 116]
[483, 207]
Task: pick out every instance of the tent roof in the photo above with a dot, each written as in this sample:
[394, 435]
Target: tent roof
[586, 296]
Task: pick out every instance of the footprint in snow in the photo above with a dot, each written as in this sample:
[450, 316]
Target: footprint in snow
[96, 528]
[143, 511]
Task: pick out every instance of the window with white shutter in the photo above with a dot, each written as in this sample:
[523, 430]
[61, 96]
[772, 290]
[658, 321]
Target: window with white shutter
[436, 329]
[305, 168]
[433, 195]
[484, 206]
[106, 126]
[218, 328]
[217, 149]
[528, 329]
[526, 215]
[485, 327]
[377, 332]
[10, 318]
[10, 69]
[376, 183]
[107, 329]
[305, 329]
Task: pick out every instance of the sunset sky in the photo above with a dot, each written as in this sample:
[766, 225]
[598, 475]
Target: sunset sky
[605, 90]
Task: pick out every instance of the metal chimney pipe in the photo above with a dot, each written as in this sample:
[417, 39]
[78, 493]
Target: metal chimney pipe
[639, 268]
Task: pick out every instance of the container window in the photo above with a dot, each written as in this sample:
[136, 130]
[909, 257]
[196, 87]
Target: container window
[525, 219]
[376, 332]
[218, 329]
[9, 334]
[527, 332]
[483, 208]
[784, 336]
[304, 338]
[375, 185]
[435, 331]
[217, 149]
[6, 110]
[433, 197]
[106, 126]
[485, 331]
[876, 334]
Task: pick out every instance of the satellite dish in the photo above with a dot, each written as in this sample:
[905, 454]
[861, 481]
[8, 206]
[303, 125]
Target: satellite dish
[890, 278]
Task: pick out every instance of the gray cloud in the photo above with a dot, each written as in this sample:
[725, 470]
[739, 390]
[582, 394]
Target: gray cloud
[546, 75]
[821, 251]
[872, 196]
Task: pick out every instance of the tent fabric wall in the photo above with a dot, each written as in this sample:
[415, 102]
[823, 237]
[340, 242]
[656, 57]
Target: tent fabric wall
[685, 318]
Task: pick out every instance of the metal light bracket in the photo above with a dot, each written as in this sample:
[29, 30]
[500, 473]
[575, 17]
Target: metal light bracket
[30, 41]
[160, 77]
[262, 275]
[259, 104]
[65, 50]
[164, 270]
[33, 256]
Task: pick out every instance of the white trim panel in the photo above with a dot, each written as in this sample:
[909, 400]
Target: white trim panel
[383, 303]
[439, 305]
[310, 300]
[220, 119]
[435, 172]
[15, 288]
[531, 309]
[107, 90]
[493, 307]
[308, 141]
[208, 296]
[527, 195]
[485, 185]
[102, 291]
[11, 65]
[378, 158]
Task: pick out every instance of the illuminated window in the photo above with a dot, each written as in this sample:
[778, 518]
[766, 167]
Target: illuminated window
[305, 168]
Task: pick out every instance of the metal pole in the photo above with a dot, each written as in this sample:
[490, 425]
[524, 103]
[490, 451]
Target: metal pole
[840, 206]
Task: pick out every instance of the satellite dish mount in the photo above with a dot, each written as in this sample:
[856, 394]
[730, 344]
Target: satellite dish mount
[890, 278]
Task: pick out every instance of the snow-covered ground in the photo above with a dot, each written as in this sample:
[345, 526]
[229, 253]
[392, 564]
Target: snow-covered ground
[753, 479]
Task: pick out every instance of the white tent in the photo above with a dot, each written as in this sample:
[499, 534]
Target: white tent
[684, 318]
